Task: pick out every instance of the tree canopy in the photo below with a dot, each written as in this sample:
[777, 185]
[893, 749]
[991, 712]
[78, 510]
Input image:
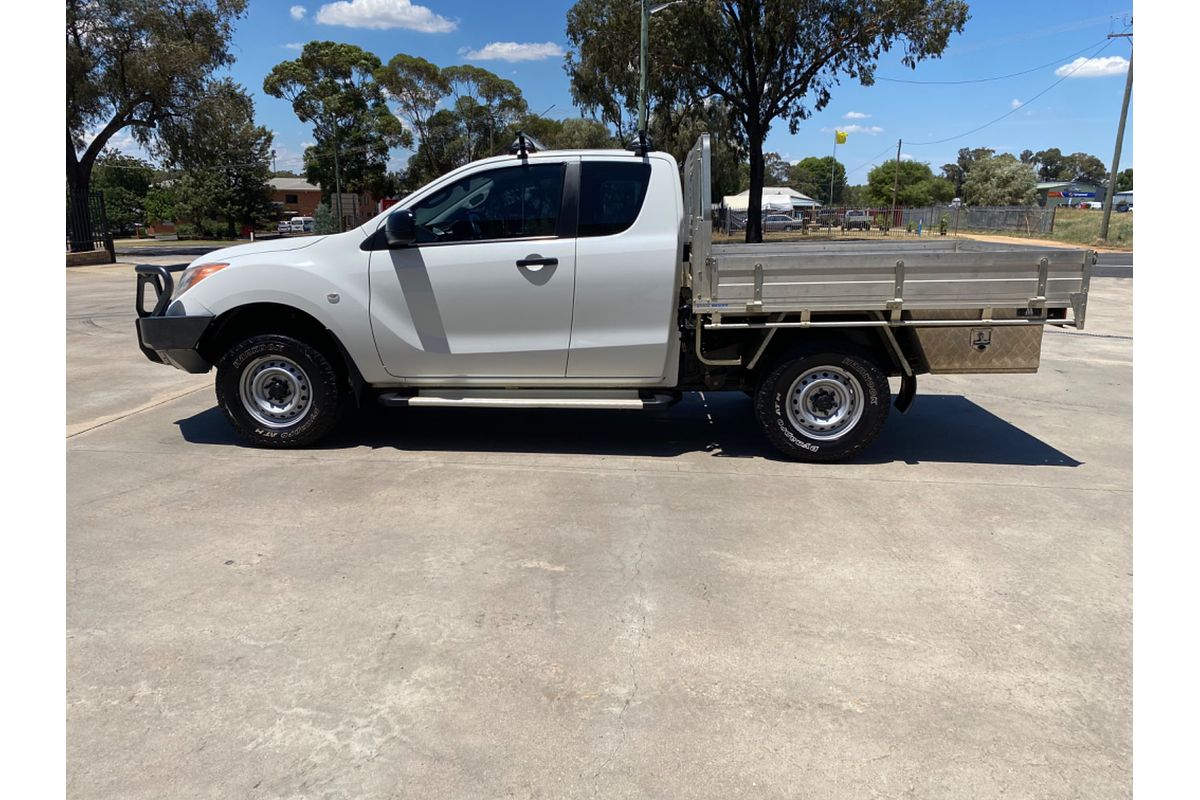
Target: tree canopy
[223, 157]
[333, 86]
[1000, 181]
[125, 181]
[812, 176]
[462, 113]
[767, 60]
[917, 185]
[132, 64]
[1125, 180]
[1052, 165]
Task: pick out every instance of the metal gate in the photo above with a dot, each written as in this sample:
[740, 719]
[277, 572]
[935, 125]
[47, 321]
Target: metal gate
[87, 227]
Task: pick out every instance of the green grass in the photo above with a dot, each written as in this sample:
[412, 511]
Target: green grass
[1082, 226]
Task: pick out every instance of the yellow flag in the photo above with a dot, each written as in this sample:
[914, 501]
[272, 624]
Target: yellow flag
[841, 137]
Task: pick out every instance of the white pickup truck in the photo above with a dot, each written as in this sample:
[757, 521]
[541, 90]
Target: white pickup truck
[589, 280]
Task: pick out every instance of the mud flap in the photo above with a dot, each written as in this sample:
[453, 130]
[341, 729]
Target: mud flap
[908, 391]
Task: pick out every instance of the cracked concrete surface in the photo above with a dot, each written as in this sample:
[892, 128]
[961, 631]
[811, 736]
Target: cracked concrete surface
[480, 604]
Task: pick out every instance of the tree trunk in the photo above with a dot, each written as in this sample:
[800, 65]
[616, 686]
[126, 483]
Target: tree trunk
[754, 210]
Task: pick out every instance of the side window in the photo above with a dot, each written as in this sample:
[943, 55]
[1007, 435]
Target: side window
[611, 196]
[506, 203]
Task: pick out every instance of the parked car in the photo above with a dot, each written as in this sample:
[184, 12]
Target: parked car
[857, 219]
[302, 225]
[485, 289]
[285, 226]
[782, 222]
[829, 218]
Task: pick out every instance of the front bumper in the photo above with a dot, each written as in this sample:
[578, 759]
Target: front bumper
[172, 340]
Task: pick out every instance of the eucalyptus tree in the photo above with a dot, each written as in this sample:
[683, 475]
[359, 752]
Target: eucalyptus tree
[417, 88]
[768, 60]
[485, 103]
[132, 64]
[333, 86]
[221, 158]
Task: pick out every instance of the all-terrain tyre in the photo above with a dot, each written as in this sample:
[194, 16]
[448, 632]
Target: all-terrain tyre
[823, 407]
[277, 391]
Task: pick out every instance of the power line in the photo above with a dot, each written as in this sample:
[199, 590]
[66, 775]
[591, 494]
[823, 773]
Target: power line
[1014, 110]
[868, 162]
[996, 78]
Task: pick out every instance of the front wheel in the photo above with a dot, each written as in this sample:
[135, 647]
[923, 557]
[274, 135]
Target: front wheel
[277, 391]
[823, 407]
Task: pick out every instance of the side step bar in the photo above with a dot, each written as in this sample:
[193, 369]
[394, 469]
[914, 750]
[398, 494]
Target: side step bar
[484, 398]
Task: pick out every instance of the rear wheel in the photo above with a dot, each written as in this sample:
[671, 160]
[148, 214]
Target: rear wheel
[823, 407]
[277, 391]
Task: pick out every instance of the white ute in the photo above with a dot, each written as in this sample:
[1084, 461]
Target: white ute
[589, 279]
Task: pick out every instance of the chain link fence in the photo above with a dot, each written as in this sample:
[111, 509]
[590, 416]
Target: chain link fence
[1029, 220]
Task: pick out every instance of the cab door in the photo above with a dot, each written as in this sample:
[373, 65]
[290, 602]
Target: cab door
[485, 293]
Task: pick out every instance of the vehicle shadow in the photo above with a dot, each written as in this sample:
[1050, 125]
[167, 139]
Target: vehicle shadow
[938, 428]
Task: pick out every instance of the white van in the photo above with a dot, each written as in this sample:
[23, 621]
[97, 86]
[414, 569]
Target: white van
[301, 224]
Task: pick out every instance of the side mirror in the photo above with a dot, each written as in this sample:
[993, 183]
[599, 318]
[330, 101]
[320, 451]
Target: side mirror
[400, 229]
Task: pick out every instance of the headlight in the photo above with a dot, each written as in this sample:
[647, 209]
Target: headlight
[193, 275]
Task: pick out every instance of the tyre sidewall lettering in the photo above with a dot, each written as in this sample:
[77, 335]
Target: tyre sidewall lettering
[772, 406]
[864, 377]
[321, 376]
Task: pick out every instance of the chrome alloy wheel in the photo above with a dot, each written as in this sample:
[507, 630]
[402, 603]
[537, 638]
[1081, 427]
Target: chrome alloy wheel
[825, 403]
[275, 391]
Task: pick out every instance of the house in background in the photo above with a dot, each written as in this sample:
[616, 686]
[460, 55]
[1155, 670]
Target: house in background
[294, 197]
[775, 200]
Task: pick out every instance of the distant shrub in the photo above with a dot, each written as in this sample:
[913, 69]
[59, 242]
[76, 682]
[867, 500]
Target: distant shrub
[323, 221]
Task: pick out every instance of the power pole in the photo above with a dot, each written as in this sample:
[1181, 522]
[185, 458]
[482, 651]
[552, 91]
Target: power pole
[1112, 173]
[895, 185]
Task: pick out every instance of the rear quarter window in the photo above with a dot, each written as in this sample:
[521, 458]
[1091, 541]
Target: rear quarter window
[611, 195]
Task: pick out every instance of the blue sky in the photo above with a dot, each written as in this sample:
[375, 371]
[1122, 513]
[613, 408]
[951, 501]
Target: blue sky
[1001, 38]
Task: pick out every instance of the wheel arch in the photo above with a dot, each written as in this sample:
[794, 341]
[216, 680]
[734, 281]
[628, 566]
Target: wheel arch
[869, 341]
[250, 319]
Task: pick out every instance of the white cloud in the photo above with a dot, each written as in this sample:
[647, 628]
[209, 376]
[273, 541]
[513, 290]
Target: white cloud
[513, 51]
[1093, 67]
[294, 45]
[855, 115]
[905, 157]
[384, 14]
[297, 12]
[873, 130]
[1016, 103]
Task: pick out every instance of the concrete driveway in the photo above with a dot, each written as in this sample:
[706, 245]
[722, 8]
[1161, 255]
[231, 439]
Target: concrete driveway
[482, 604]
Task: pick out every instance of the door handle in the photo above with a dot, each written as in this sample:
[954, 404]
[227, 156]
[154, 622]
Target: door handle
[534, 260]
